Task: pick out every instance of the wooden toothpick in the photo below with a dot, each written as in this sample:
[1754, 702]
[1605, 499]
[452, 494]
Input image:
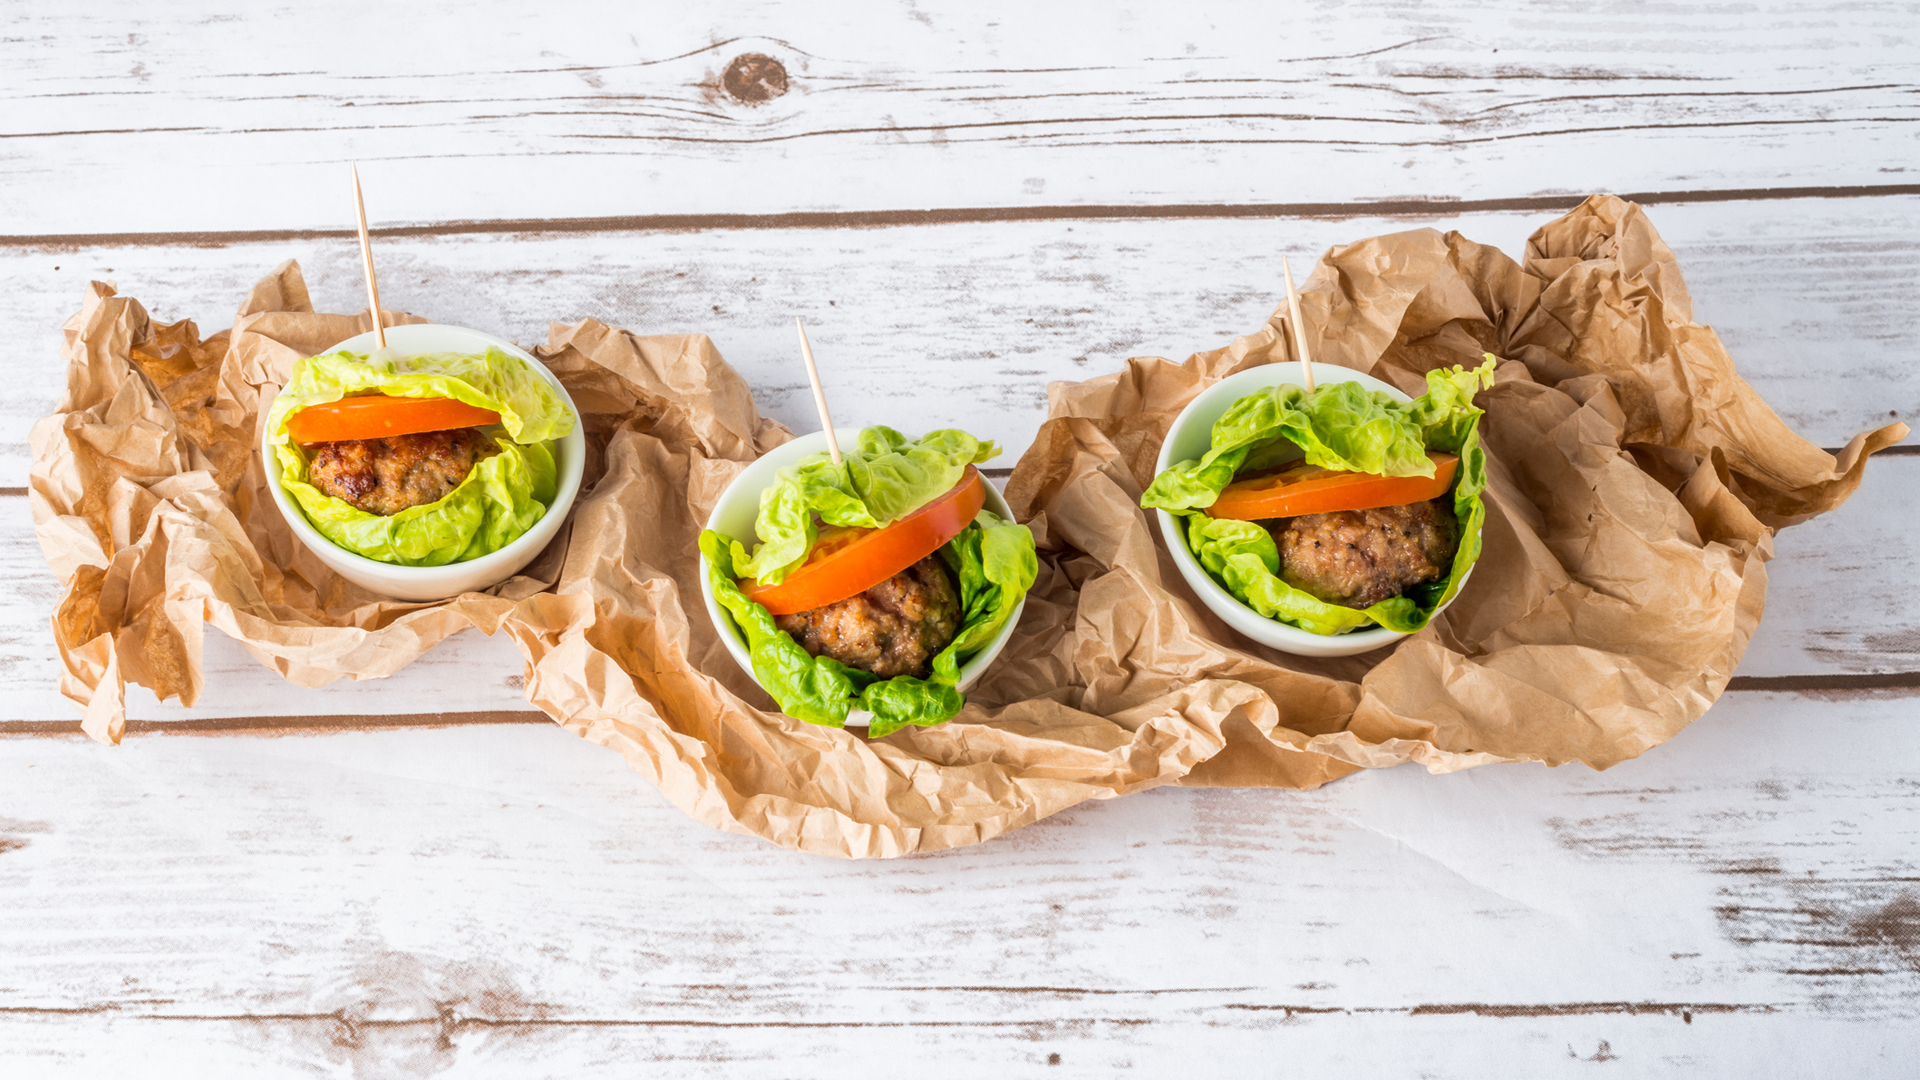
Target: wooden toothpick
[819, 395]
[1299, 330]
[366, 260]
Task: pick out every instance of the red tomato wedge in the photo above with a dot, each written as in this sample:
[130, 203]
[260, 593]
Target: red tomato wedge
[1310, 489]
[377, 416]
[846, 561]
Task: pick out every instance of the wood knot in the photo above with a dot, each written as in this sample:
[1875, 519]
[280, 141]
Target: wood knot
[753, 78]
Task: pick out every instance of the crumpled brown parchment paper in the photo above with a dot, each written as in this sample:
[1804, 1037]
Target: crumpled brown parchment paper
[1636, 481]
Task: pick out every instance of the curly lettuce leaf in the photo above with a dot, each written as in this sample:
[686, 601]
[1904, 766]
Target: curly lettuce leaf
[1242, 556]
[904, 700]
[816, 689]
[885, 477]
[1339, 426]
[994, 563]
[529, 409]
[502, 496]
[894, 475]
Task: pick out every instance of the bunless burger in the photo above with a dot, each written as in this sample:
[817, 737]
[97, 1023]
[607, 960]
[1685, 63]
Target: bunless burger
[1338, 508]
[388, 473]
[418, 460]
[893, 628]
[874, 579]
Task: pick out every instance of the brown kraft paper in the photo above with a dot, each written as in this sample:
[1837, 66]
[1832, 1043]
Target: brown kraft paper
[1636, 482]
[1635, 485]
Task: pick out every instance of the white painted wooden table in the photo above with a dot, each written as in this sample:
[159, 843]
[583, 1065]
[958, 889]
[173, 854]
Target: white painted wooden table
[420, 876]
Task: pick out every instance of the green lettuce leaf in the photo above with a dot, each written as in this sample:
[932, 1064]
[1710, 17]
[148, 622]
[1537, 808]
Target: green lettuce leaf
[529, 409]
[881, 480]
[816, 689]
[904, 700]
[1353, 430]
[994, 563]
[500, 499]
[502, 496]
[1339, 426]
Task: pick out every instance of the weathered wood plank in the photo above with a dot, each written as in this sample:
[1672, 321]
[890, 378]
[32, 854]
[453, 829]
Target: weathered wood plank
[502, 892]
[508, 899]
[578, 111]
[1833, 602]
[1161, 1039]
[467, 673]
[969, 323]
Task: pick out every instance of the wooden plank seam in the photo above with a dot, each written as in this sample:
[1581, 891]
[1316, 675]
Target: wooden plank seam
[865, 219]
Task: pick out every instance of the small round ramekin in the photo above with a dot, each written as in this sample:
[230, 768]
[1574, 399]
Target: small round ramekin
[450, 579]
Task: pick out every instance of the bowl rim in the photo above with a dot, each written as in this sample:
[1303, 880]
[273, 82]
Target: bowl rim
[1224, 604]
[572, 470]
[798, 447]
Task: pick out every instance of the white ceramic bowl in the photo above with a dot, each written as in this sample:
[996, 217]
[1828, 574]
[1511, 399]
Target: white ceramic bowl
[452, 579]
[1189, 438]
[734, 515]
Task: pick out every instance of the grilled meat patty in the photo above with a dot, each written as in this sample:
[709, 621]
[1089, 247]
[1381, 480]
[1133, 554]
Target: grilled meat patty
[385, 476]
[894, 628]
[1357, 558]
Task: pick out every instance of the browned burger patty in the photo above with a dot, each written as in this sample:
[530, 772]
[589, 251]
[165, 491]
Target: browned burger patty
[385, 476]
[894, 628]
[1357, 558]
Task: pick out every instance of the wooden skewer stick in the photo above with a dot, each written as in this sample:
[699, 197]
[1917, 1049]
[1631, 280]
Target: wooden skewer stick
[1299, 329]
[819, 395]
[366, 260]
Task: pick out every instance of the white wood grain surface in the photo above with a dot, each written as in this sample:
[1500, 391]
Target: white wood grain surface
[328, 904]
[418, 876]
[969, 323]
[570, 109]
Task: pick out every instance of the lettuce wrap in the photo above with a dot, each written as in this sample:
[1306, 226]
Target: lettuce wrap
[1339, 426]
[883, 479]
[502, 496]
[886, 477]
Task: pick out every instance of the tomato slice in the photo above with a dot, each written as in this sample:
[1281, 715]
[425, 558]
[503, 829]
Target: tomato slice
[847, 561]
[1310, 489]
[377, 416]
